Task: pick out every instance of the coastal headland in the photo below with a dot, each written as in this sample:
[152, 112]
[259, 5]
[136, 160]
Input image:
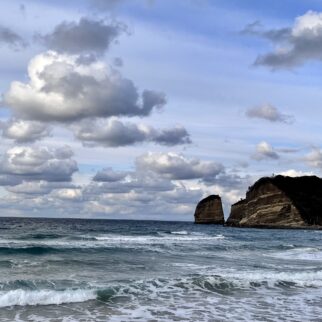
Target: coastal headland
[271, 202]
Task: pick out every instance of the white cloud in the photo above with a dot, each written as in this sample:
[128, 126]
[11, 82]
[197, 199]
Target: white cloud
[23, 131]
[24, 163]
[314, 158]
[301, 43]
[265, 151]
[178, 167]
[63, 90]
[295, 173]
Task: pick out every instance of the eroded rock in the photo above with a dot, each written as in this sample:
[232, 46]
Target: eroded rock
[210, 211]
[280, 202]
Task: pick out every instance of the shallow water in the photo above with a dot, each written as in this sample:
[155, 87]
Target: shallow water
[96, 270]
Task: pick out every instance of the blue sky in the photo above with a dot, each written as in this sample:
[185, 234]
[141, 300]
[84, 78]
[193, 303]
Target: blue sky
[235, 89]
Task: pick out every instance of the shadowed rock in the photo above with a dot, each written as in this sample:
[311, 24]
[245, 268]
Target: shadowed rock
[280, 202]
[209, 211]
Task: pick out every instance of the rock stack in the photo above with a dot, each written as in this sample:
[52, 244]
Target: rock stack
[210, 211]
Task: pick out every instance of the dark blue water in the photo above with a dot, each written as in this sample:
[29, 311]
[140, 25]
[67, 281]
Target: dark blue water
[103, 270]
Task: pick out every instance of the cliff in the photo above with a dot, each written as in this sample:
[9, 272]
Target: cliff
[280, 202]
[209, 211]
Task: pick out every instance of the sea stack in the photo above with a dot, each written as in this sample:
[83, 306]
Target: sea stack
[280, 202]
[209, 211]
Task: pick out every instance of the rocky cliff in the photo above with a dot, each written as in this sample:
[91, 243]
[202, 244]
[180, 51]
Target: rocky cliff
[209, 211]
[280, 202]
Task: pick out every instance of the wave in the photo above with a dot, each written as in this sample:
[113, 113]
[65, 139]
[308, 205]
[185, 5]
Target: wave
[182, 232]
[44, 297]
[40, 246]
[300, 253]
[160, 288]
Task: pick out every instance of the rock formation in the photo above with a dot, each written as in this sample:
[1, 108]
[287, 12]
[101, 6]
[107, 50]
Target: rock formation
[280, 202]
[209, 211]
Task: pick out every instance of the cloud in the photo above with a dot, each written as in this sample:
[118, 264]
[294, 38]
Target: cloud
[314, 158]
[11, 39]
[62, 90]
[108, 5]
[270, 113]
[275, 35]
[24, 131]
[300, 43]
[109, 175]
[40, 187]
[265, 151]
[295, 173]
[178, 167]
[68, 194]
[83, 37]
[114, 133]
[23, 163]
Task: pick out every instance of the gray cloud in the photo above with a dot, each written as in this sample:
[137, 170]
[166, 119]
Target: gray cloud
[84, 37]
[270, 113]
[300, 43]
[177, 167]
[109, 175]
[21, 164]
[62, 90]
[38, 187]
[24, 131]
[275, 35]
[265, 151]
[10, 38]
[114, 133]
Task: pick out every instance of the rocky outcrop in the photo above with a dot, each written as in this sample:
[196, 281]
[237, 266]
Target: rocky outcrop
[209, 211]
[280, 202]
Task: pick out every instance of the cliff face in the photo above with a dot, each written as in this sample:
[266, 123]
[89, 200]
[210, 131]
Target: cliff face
[281, 202]
[209, 211]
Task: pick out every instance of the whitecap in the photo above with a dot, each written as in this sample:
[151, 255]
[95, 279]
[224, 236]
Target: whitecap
[21, 297]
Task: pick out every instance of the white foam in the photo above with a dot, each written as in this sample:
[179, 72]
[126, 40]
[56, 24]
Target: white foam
[113, 240]
[182, 232]
[300, 253]
[44, 297]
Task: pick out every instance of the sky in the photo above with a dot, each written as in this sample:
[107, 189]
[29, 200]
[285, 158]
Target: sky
[138, 109]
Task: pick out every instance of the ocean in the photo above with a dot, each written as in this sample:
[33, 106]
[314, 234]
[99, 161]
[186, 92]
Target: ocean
[109, 270]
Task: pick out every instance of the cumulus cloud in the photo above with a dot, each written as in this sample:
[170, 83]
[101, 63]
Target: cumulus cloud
[265, 151]
[109, 175]
[83, 37]
[314, 158]
[24, 163]
[114, 133]
[62, 90]
[68, 194]
[23, 131]
[178, 167]
[300, 43]
[11, 39]
[270, 113]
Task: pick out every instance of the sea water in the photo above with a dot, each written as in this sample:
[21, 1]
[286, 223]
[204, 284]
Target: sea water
[105, 270]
